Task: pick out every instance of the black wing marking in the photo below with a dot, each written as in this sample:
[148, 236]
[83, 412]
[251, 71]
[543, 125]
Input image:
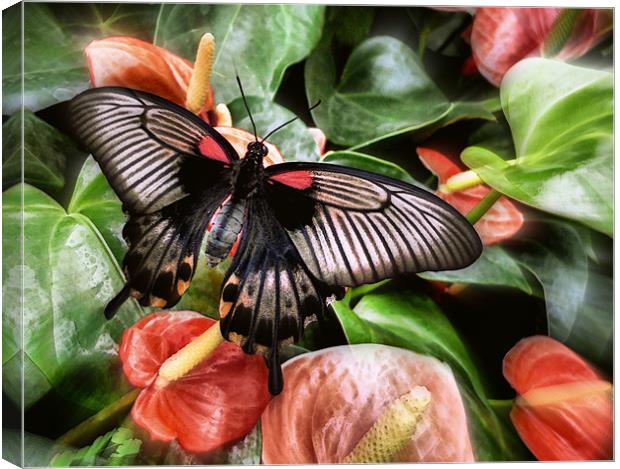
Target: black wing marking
[353, 227]
[268, 294]
[148, 147]
[170, 170]
[163, 250]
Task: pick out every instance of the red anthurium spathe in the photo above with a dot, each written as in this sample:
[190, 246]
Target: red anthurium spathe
[132, 63]
[501, 37]
[564, 411]
[215, 403]
[335, 403]
[501, 221]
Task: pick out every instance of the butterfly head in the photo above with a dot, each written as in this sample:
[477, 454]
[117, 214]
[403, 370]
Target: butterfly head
[257, 150]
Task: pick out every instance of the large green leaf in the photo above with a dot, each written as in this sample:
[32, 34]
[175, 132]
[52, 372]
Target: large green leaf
[578, 297]
[294, 141]
[368, 163]
[561, 117]
[383, 91]
[553, 261]
[55, 36]
[54, 66]
[411, 320]
[94, 198]
[46, 151]
[496, 266]
[260, 41]
[69, 274]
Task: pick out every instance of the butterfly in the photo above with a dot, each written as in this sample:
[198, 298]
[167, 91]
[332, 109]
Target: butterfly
[306, 230]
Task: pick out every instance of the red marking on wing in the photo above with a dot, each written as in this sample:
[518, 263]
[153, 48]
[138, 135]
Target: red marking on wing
[211, 149]
[301, 180]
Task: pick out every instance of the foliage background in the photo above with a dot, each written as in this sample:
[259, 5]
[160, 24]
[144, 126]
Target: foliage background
[389, 79]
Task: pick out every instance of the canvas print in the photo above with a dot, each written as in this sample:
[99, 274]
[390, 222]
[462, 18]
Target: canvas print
[304, 234]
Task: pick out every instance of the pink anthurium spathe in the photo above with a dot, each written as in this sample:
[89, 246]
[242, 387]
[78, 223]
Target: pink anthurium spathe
[335, 401]
[133, 63]
[501, 221]
[564, 408]
[215, 403]
[501, 37]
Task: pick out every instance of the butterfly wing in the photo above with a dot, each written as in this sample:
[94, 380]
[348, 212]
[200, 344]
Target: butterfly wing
[268, 293]
[353, 227]
[171, 171]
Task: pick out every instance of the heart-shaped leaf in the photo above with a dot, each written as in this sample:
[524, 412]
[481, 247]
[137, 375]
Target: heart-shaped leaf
[54, 67]
[561, 117]
[383, 91]
[576, 290]
[495, 266]
[259, 41]
[294, 141]
[94, 198]
[69, 274]
[46, 151]
[368, 163]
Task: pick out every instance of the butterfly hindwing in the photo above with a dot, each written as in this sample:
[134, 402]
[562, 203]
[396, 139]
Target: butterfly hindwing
[352, 227]
[268, 295]
[171, 171]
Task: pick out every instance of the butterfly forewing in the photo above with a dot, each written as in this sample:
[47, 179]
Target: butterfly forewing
[170, 170]
[360, 228]
[148, 148]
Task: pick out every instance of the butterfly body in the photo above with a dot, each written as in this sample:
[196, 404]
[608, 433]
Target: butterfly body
[305, 230]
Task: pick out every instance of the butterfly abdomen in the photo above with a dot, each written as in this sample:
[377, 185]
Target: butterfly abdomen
[226, 226]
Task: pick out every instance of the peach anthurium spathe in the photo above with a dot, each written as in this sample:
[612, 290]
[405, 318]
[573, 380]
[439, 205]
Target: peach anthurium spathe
[133, 63]
[501, 221]
[213, 404]
[564, 410]
[501, 37]
[335, 403]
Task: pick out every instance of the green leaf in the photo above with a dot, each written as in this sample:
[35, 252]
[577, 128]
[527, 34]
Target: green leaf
[496, 266]
[203, 294]
[69, 274]
[411, 320]
[578, 298]
[55, 36]
[262, 41]
[553, 260]
[561, 117]
[94, 198]
[54, 66]
[115, 448]
[294, 141]
[46, 151]
[383, 91]
[370, 163]
[37, 450]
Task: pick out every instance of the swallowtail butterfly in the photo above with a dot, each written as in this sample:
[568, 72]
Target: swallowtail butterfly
[307, 229]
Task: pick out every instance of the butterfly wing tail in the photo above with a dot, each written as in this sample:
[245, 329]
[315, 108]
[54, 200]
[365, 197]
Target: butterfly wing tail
[116, 302]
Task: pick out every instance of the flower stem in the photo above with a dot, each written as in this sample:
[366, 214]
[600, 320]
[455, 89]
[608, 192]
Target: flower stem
[103, 421]
[201, 76]
[392, 430]
[179, 364]
[483, 206]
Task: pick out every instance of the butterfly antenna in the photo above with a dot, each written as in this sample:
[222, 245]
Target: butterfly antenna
[288, 122]
[247, 108]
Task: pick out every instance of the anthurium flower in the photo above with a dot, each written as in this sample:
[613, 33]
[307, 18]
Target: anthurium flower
[365, 403]
[501, 221]
[132, 63]
[214, 403]
[564, 410]
[501, 37]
